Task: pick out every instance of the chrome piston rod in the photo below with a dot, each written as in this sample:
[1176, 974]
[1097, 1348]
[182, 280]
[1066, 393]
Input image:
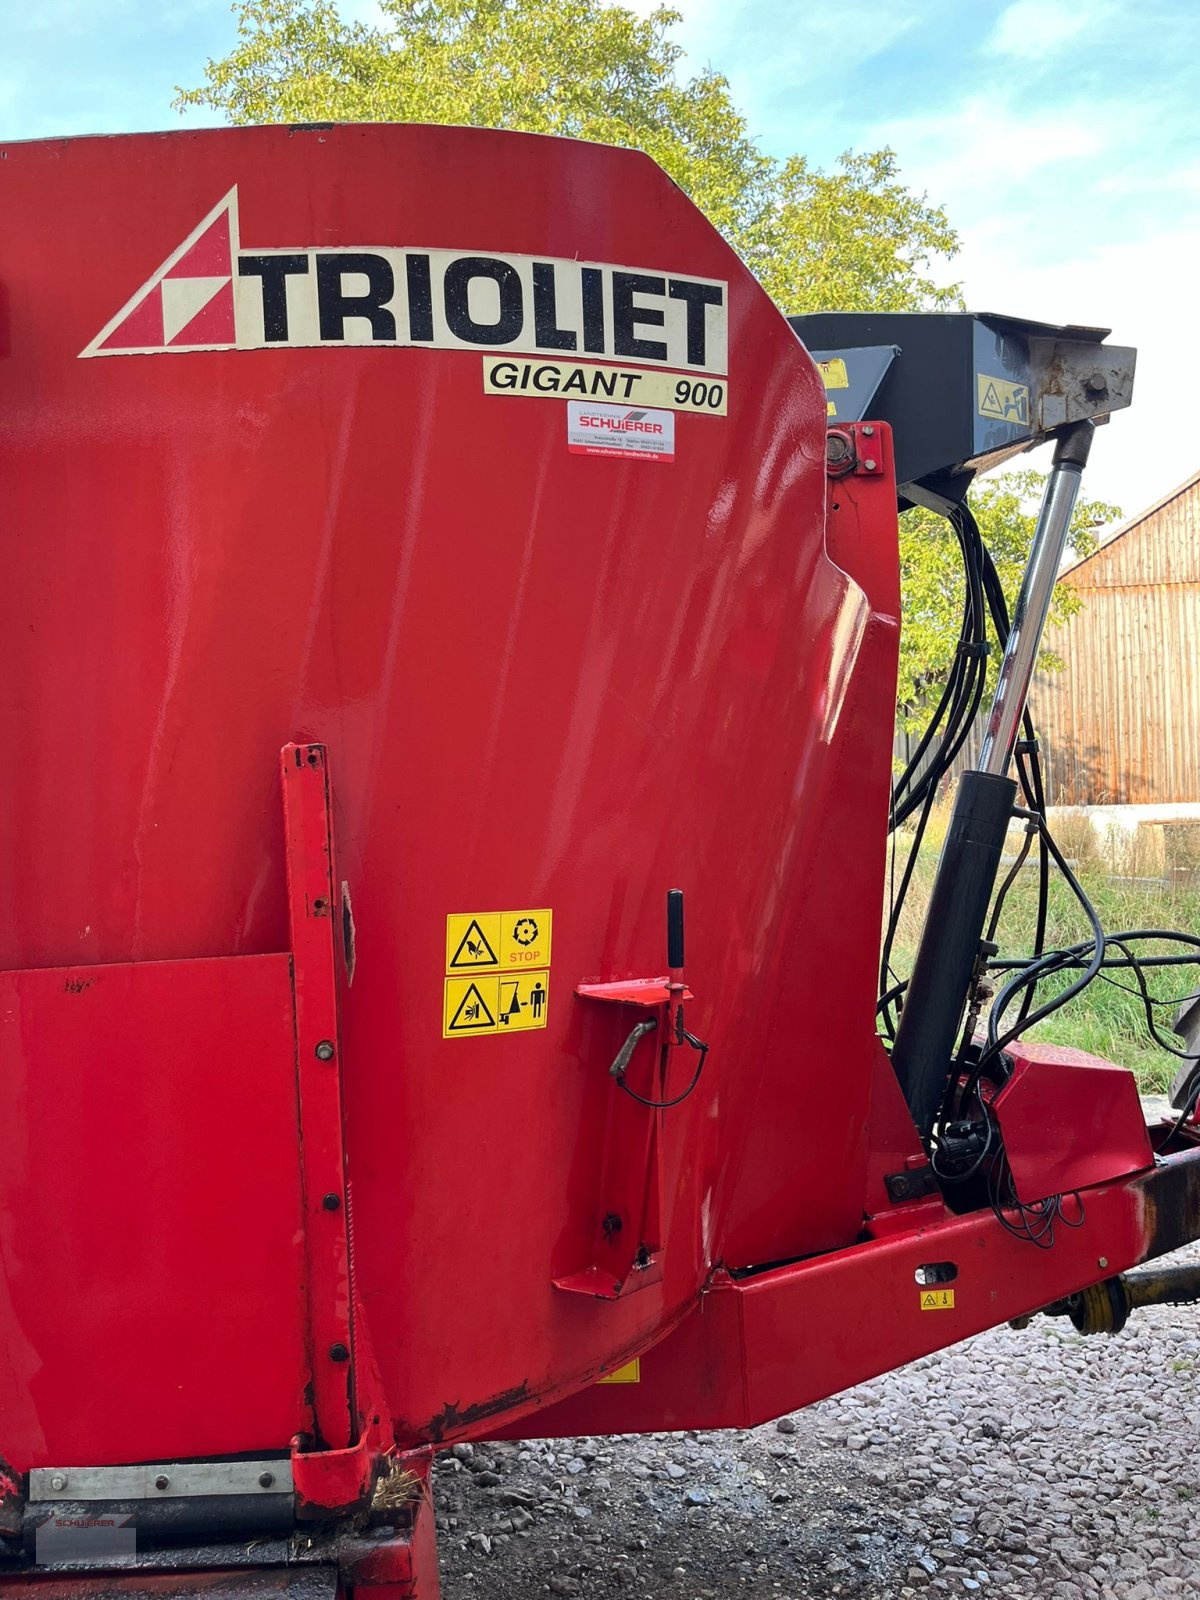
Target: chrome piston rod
[1033, 602]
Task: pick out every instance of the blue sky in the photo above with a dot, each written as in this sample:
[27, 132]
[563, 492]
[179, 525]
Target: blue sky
[1063, 139]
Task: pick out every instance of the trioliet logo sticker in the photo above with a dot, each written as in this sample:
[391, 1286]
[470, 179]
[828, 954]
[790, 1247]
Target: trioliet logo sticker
[600, 430]
[212, 294]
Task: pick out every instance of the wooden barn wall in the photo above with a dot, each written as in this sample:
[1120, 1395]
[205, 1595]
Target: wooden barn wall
[1121, 724]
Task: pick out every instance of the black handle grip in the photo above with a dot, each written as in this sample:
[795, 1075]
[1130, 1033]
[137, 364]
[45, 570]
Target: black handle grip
[674, 928]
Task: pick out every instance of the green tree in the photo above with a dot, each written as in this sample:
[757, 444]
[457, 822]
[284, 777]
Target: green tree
[1005, 508]
[851, 239]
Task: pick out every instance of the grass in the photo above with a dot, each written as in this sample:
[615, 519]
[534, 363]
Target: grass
[1107, 1019]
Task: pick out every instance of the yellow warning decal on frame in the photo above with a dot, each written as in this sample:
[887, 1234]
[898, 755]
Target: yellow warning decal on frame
[498, 941]
[495, 1002]
[937, 1299]
[1003, 401]
[631, 1372]
[833, 373]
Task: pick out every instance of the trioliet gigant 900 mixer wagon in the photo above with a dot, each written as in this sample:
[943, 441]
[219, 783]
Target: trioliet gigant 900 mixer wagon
[430, 561]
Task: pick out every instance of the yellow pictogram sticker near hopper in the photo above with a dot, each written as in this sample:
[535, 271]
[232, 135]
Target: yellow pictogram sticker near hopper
[937, 1299]
[495, 1002]
[498, 941]
[833, 376]
[1003, 401]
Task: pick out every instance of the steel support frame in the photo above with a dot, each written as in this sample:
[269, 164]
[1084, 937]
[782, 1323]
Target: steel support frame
[310, 882]
[760, 1345]
[353, 1428]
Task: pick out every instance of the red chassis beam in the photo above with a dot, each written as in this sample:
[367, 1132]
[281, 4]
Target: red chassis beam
[762, 1345]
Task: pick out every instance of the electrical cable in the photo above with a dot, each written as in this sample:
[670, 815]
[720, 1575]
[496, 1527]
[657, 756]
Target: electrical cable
[915, 792]
[997, 1041]
[667, 1105]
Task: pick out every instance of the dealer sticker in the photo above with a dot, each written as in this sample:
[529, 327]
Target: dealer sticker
[600, 430]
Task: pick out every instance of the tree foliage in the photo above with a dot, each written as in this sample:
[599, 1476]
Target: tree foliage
[851, 239]
[1005, 508]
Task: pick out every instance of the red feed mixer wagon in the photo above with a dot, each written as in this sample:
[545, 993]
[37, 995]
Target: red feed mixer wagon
[431, 561]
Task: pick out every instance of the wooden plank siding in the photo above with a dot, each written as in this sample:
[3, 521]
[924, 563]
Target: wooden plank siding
[1120, 725]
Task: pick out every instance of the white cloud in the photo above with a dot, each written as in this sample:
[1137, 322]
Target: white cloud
[1031, 30]
[1065, 217]
[1137, 288]
[984, 144]
[769, 52]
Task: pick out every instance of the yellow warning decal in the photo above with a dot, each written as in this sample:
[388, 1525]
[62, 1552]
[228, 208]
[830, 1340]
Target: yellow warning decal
[834, 374]
[586, 380]
[631, 1372]
[498, 941]
[1003, 401]
[496, 1002]
[468, 945]
[937, 1299]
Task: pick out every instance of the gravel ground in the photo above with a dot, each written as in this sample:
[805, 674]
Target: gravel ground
[1020, 1463]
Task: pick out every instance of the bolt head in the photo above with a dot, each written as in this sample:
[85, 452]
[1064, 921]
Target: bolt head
[58, 1482]
[1102, 1262]
[868, 433]
[162, 1481]
[325, 1050]
[837, 447]
[338, 1352]
[266, 1479]
[871, 464]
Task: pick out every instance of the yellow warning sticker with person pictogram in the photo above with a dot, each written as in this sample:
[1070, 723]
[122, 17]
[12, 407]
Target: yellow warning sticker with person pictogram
[495, 1002]
[1003, 400]
[498, 941]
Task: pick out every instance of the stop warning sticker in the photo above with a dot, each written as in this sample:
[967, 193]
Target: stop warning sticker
[497, 972]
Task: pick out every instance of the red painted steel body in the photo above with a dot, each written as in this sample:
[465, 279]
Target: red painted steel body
[544, 679]
[506, 674]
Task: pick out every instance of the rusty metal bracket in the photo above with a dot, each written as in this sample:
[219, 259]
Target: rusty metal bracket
[311, 878]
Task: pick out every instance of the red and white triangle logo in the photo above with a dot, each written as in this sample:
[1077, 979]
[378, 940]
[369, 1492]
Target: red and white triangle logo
[188, 303]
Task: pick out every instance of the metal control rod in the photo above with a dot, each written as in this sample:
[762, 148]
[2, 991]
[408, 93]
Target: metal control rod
[1033, 602]
[966, 874]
